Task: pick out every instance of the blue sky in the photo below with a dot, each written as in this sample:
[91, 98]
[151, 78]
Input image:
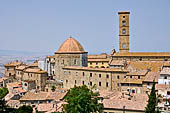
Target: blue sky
[42, 25]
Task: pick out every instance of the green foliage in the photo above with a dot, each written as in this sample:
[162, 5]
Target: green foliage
[53, 88]
[25, 109]
[3, 92]
[152, 102]
[82, 100]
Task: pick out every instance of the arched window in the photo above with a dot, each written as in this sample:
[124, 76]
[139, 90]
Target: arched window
[123, 23]
[123, 31]
[123, 45]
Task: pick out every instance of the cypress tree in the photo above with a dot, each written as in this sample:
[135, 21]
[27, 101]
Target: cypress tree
[152, 102]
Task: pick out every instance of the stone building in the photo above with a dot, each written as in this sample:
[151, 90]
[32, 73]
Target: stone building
[124, 52]
[70, 53]
[100, 78]
[98, 61]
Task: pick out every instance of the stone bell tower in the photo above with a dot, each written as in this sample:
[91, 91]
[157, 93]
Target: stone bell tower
[123, 31]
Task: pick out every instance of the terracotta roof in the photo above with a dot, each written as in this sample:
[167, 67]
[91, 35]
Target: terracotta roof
[22, 67]
[34, 70]
[116, 62]
[3, 78]
[95, 69]
[151, 54]
[13, 64]
[34, 96]
[117, 101]
[152, 76]
[165, 70]
[100, 56]
[131, 81]
[46, 107]
[98, 60]
[35, 64]
[154, 66]
[140, 72]
[51, 56]
[71, 46]
[57, 95]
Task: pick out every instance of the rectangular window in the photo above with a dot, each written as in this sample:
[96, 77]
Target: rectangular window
[83, 82]
[90, 83]
[100, 84]
[107, 76]
[83, 74]
[100, 75]
[96, 63]
[130, 76]
[118, 77]
[75, 81]
[138, 77]
[90, 74]
[107, 84]
[90, 63]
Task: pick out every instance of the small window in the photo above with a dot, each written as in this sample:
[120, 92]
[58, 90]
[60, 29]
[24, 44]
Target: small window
[118, 85]
[133, 91]
[9, 74]
[90, 63]
[107, 76]
[123, 45]
[96, 63]
[118, 77]
[75, 61]
[130, 76]
[100, 75]
[165, 77]
[100, 84]
[123, 23]
[125, 76]
[75, 81]
[138, 77]
[123, 16]
[90, 83]
[62, 62]
[83, 82]
[90, 74]
[123, 31]
[83, 74]
[107, 84]
[102, 63]
[66, 81]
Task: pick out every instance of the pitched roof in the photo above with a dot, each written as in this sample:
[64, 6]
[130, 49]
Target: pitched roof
[152, 76]
[117, 101]
[57, 95]
[35, 70]
[140, 54]
[13, 64]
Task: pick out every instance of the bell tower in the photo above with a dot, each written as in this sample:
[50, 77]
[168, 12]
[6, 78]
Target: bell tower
[123, 31]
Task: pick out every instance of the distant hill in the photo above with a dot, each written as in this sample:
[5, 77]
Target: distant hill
[15, 52]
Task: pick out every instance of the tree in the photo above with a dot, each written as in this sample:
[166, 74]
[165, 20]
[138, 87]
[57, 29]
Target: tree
[3, 93]
[24, 109]
[82, 100]
[152, 102]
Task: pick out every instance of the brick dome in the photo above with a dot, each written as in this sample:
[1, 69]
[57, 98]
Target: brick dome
[71, 46]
